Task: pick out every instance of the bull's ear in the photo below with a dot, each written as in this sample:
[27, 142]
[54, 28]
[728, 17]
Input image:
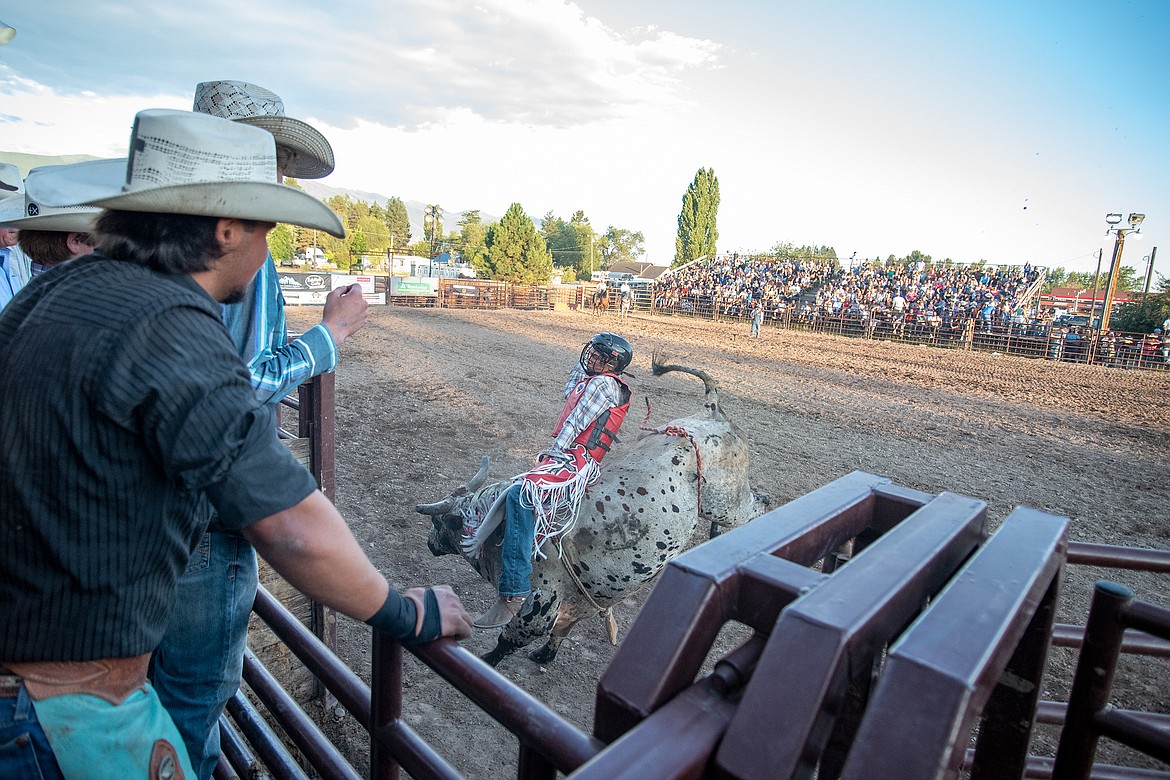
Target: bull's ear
[453, 522]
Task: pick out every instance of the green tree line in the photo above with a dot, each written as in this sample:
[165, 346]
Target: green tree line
[515, 249]
[512, 249]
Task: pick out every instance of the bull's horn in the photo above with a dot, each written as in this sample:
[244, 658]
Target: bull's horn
[437, 508]
[481, 476]
[447, 504]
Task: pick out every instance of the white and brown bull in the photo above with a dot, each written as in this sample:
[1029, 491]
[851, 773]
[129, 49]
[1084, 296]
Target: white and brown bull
[640, 515]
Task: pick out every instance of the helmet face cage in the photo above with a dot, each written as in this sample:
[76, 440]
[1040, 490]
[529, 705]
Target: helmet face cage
[611, 349]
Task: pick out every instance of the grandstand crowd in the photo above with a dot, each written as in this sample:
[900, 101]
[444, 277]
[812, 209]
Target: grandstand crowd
[938, 303]
[816, 288]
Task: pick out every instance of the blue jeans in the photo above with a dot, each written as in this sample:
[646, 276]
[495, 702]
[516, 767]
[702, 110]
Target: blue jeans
[24, 750]
[197, 667]
[519, 536]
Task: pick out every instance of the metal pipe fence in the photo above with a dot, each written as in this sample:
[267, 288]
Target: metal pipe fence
[1076, 345]
[1026, 339]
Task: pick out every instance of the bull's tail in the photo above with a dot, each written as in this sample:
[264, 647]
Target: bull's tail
[659, 366]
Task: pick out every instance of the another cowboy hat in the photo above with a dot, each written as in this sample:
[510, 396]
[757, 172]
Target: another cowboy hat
[186, 163]
[253, 105]
[24, 213]
[11, 182]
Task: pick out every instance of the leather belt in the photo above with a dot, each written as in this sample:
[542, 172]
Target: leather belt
[112, 679]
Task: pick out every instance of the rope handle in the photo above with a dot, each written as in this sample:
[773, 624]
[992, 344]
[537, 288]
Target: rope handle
[678, 430]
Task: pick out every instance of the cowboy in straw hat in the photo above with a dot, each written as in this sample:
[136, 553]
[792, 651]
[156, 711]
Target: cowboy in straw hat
[183, 163]
[214, 599]
[311, 155]
[51, 236]
[127, 410]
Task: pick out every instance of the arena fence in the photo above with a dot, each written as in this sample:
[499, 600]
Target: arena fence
[487, 294]
[1081, 345]
[889, 629]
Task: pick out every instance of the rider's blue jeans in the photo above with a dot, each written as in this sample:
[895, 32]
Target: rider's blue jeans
[519, 535]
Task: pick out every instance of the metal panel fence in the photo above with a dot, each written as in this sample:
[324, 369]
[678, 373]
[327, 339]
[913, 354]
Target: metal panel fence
[1069, 345]
[821, 624]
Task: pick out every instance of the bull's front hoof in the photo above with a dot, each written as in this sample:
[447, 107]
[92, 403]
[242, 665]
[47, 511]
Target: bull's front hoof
[502, 650]
[493, 658]
[545, 655]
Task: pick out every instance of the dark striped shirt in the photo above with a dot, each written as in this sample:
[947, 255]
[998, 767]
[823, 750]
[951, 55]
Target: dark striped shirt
[125, 410]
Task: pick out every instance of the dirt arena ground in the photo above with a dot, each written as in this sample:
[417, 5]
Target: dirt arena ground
[422, 394]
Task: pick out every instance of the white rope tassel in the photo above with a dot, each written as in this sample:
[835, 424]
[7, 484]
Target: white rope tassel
[556, 507]
[483, 514]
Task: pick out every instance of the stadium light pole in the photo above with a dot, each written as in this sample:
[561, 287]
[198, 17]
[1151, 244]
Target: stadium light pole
[1114, 222]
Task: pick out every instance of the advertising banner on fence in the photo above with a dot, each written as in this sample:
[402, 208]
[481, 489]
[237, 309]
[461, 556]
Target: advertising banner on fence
[366, 281]
[413, 285]
[310, 289]
[302, 288]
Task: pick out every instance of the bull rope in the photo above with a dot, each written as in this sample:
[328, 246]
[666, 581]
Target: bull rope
[678, 430]
[606, 612]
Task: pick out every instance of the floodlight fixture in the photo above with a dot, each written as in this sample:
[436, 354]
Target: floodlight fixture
[1133, 231]
[7, 32]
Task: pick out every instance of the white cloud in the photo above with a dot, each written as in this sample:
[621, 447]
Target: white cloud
[542, 62]
[41, 121]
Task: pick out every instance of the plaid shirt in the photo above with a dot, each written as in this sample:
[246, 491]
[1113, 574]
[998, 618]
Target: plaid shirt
[601, 394]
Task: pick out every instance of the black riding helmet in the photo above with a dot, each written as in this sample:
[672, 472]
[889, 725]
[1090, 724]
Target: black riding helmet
[613, 350]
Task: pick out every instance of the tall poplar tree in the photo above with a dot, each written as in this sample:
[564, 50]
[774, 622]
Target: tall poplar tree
[697, 231]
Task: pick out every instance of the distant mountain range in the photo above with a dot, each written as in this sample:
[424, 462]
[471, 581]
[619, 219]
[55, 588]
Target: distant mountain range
[26, 162]
[415, 209]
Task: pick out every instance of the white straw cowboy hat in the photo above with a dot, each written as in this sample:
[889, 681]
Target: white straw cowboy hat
[186, 163]
[24, 213]
[253, 105]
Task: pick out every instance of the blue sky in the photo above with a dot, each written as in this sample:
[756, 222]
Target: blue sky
[1002, 131]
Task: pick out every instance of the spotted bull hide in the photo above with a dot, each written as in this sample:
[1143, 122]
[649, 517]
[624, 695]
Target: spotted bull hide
[641, 514]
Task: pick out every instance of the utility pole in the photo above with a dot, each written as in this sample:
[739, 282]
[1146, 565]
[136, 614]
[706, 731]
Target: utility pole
[1149, 275]
[433, 212]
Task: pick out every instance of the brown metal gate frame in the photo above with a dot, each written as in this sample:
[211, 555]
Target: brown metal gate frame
[845, 664]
